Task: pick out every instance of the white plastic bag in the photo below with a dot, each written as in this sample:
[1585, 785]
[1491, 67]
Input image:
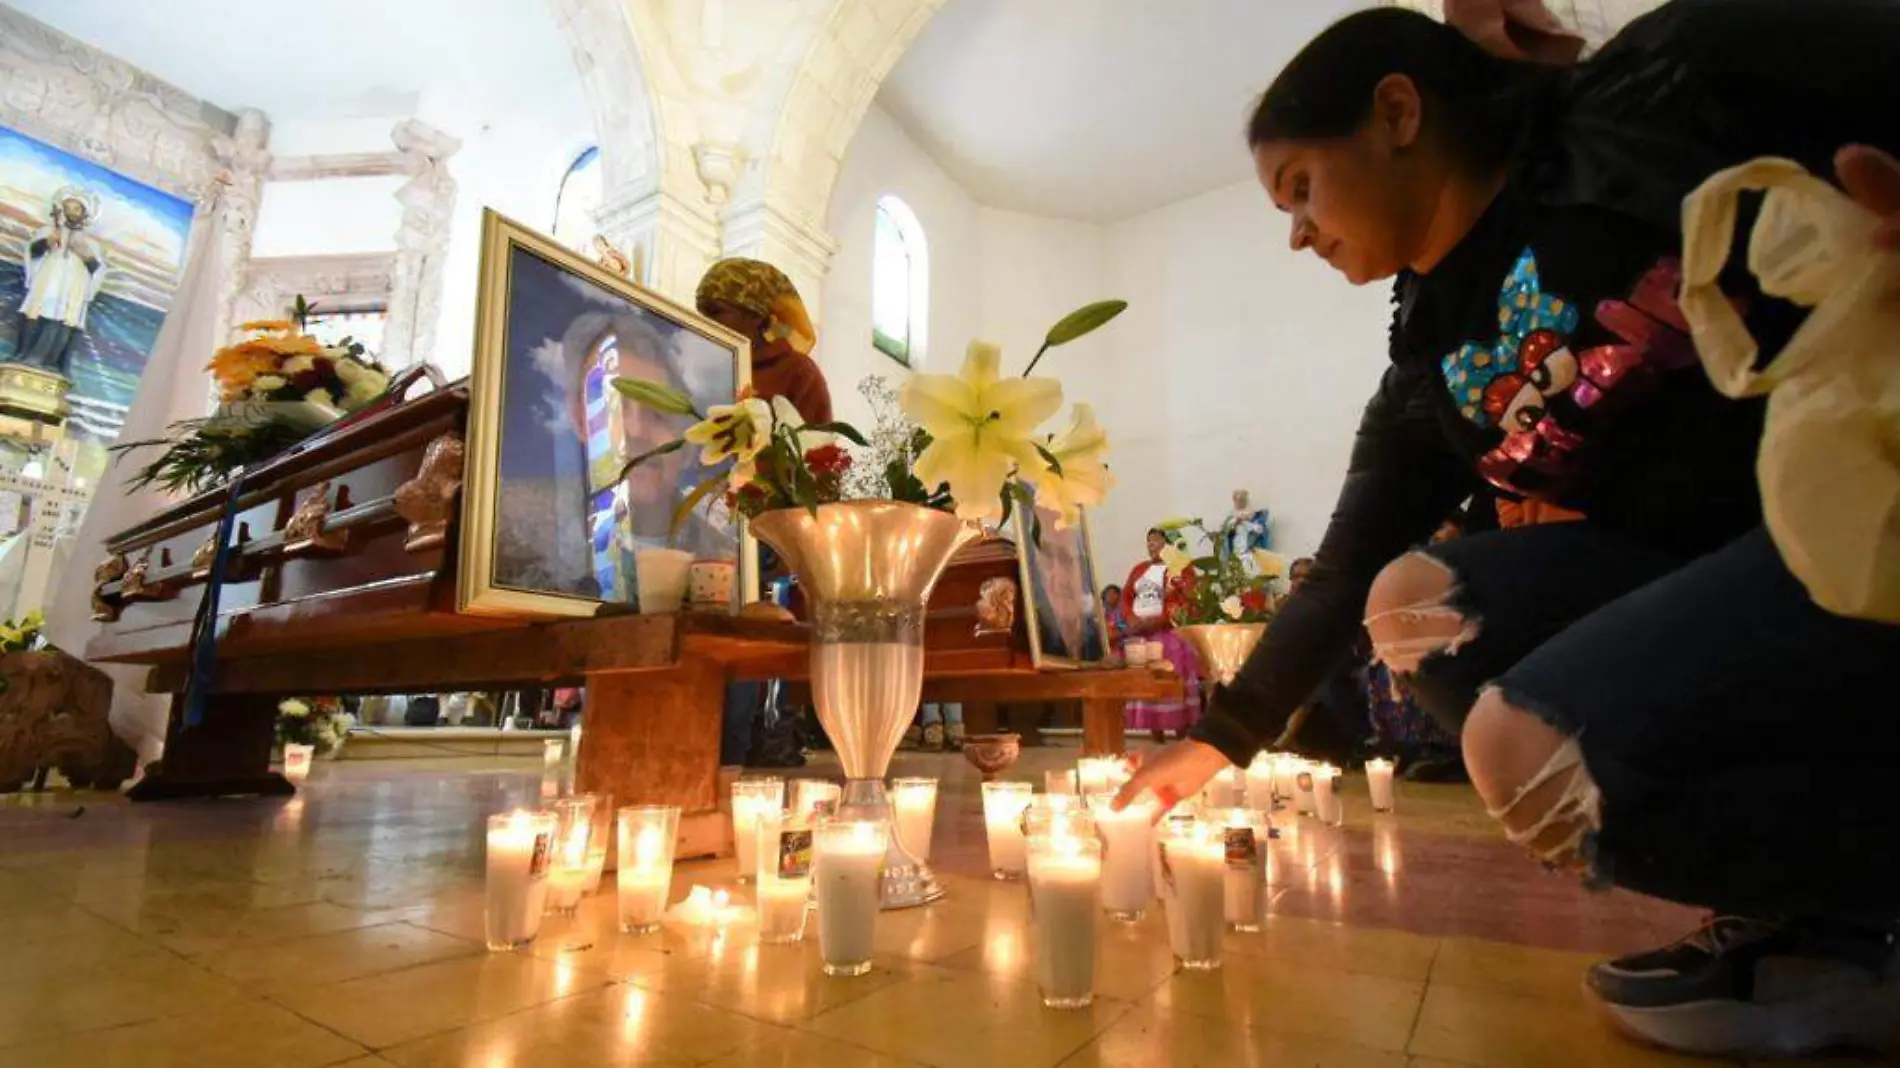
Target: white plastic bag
[1830, 458]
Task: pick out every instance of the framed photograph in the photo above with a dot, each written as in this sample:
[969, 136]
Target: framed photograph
[550, 527]
[1061, 594]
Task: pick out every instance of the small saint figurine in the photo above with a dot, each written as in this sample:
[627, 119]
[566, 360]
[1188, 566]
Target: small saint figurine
[611, 258]
[1247, 529]
[65, 268]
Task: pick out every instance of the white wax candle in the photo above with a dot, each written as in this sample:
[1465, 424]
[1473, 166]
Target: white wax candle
[518, 859]
[846, 876]
[810, 796]
[1127, 858]
[1260, 783]
[1244, 839]
[1099, 774]
[566, 884]
[1379, 783]
[297, 760]
[1223, 790]
[1194, 880]
[645, 878]
[782, 909]
[1059, 781]
[553, 753]
[915, 803]
[784, 878]
[752, 800]
[1003, 805]
[1305, 789]
[1326, 800]
[1065, 876]
[596, 863]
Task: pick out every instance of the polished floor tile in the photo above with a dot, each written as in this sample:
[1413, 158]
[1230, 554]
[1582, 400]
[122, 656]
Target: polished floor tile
[345, 927]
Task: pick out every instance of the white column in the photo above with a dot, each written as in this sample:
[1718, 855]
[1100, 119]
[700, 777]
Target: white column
[669, 239]
[422, 242]
[764, 230]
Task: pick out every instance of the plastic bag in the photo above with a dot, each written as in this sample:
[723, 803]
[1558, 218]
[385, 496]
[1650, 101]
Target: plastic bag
[1830, 457]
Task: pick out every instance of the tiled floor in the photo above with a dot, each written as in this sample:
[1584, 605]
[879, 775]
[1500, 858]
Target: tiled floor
[343, 927]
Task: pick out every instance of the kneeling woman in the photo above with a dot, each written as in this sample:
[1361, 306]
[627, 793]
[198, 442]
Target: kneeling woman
[1646, 696]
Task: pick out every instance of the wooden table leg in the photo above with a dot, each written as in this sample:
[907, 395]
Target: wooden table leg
[652, 738]
[1102, 726]
[227, 753]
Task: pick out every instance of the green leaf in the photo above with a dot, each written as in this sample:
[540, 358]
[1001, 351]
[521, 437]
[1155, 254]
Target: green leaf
[1055, 465]
[843, 430]
[670, 447]
[657, 397]
[1084, 320]
[685, 507]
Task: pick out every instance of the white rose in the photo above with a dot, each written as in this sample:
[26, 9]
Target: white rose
[1232, 607]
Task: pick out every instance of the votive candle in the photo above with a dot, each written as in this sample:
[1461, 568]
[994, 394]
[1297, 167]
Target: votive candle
[1065, 877]
[1059, 781]
[520, 852]
[648, 837]
[1244, 842]
[784, 878]
[1099, 774]
[1379, 783]
[1259, 779]
[297, 760]
[815, 797]
[1057, 814]
[1306, 788]
[1223, 790]
[573, 837]
[1193, 890]
[1127, 856]
[914, 802]
[753, 800]
[850, 854]
[1003, 805]
[1327, 804]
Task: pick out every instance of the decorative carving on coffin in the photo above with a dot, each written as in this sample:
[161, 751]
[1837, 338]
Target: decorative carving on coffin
[202, 559]
[996, 607]
[53, 714]
[133, 586]
[304, 534]
[427, 501]
[106, 609]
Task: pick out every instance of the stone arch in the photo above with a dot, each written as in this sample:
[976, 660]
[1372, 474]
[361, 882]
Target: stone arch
[613, 77]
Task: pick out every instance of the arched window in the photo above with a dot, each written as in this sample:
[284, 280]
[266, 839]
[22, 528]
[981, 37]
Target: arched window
[900, 283]
[577, 200]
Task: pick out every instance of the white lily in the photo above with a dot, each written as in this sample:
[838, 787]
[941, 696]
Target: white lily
[1084, 480]
[981, 427]
[739, 430]
[1176, 559]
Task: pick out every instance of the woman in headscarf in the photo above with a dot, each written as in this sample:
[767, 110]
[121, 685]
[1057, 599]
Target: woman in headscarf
[754, 298]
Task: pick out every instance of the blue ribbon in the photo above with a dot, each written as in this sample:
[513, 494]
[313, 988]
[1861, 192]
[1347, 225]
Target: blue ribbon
[204, 628]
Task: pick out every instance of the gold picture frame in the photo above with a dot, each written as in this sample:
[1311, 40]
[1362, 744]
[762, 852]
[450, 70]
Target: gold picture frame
[1091, 645]
[548, 525]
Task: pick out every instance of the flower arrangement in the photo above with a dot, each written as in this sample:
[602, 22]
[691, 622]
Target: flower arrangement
[24, 634]
[275, 388]
[1218, 587]
[969, 443]
[319, 722]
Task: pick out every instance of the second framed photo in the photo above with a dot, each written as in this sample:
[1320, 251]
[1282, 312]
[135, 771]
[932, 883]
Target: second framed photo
[1061, 594]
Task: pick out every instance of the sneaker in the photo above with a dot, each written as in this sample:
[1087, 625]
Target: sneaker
[953, 737]
[933, 736]
[913, 737]
[1751, 988]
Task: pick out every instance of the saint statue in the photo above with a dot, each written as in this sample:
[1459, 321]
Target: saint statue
[65, 268]
[611, 258]
[1247, 529]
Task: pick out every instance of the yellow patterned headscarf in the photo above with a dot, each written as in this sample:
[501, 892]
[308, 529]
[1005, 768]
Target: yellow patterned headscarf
[762, 289]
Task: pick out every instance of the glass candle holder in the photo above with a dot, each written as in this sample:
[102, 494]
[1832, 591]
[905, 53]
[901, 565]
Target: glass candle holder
[1305, 791]
[297, 760]
[1327, 804]
[812, 798]
[1003, 805]
[1127, 856]
[914, 802]
[1379, 782]
[1259, 781]
[753, 800]
[845, 878]
[1286, 786]
[520, 853]
[1065, 878]
[1060, 814]
[1193, 870]
[1059, 781]
[1100, 774]
[1243, 834]
[648, 836]
[1223, 790]
[600, 829]
[573, 838]
[553, 754]
[784, 877]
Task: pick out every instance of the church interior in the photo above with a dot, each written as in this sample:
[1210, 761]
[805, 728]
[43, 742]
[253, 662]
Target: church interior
[460, 460]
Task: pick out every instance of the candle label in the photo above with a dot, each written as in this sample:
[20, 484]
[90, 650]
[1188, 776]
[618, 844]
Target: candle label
[1243, 849]
[1305, 781]
[794, 853]
[824, 809]
[543, 854]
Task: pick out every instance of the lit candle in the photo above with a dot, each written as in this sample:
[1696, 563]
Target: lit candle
[815, 797]
[648, 834]
[297, 760]
[1065, 878]
[752, 800]
[784, 882]
[1259, 776]
[1003, 805]
[915, 803]
[850, 854]
[1286, 786]
[1327, 804]
[1244, 839]
[1223, 790]
[553, 754]
[1127, 857]
[1193, 862]
[1099, 774]
[573, 839]
[1379, 782]
[520, 847]
[1059, 781]
[1306, 788]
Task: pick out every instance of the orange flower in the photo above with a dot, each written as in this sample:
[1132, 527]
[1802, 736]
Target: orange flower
[266, 324]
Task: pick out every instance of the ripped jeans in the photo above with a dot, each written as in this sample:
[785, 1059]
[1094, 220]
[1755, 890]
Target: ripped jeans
[1739, 743]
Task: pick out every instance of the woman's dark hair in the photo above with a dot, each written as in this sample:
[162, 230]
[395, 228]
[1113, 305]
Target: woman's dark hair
[1479, 104]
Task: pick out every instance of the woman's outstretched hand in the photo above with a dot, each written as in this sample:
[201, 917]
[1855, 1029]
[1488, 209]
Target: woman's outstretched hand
[1172, 774]
[1523, 30]
[1872, 178]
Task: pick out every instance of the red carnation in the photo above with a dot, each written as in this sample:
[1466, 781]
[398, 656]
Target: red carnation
[828, 460]
[1254, 600]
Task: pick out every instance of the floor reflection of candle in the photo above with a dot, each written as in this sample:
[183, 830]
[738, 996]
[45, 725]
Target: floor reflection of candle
[520, 845]
[1379, 783]
[645, 878]
[915, 803]
[1327, 804]
[1193, 875]
[752, 800]
[1127, 857]
[1244, 834]
[1065, 876]
[1003, 805]
[850, 854]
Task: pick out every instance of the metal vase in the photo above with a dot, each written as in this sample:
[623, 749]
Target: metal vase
[867, 569]
[1223, 647]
